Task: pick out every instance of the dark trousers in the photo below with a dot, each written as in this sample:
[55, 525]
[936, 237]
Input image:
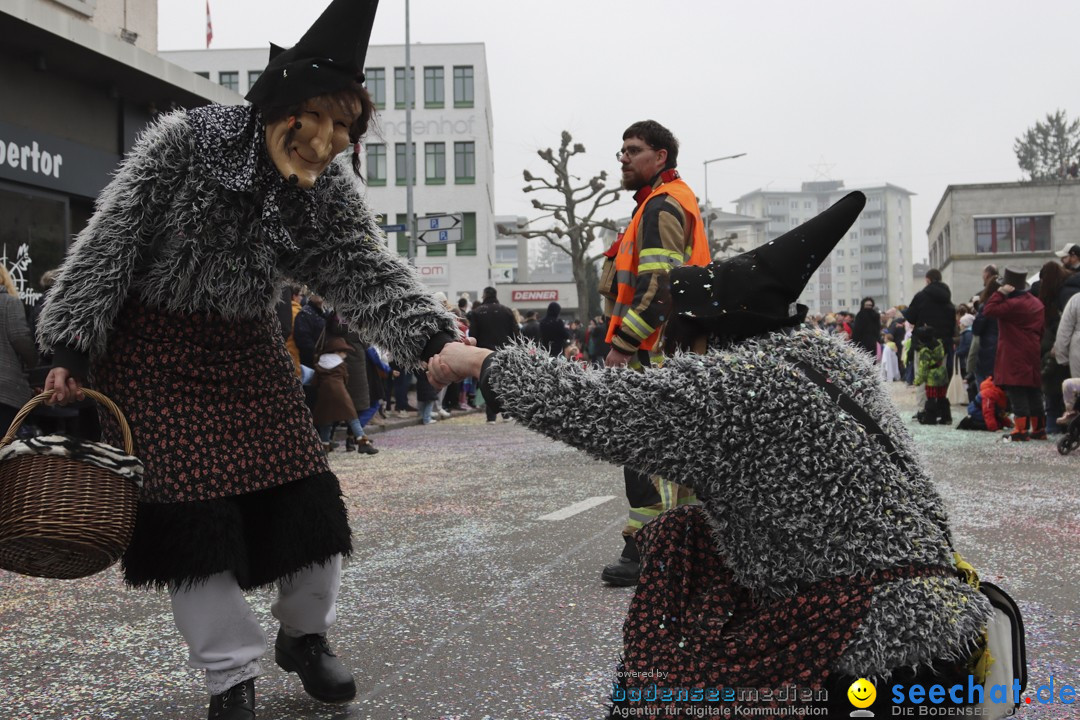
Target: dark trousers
[452, 396]
[1025, 401]
[401, 390]
[7, 416]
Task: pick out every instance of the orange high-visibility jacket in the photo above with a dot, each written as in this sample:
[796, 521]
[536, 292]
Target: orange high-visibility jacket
[626, 258]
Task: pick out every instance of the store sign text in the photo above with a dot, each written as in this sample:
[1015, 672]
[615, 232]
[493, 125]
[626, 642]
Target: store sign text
[30, 158]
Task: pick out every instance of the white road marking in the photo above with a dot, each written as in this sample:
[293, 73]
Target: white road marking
[578, 507]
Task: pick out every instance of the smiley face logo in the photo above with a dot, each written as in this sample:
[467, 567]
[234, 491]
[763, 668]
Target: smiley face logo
[862, 693]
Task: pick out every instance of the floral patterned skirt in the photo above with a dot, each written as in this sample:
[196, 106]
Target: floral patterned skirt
[235, 474]
[692, 631]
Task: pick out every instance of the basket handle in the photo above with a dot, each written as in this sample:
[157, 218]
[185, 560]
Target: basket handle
[93, 394]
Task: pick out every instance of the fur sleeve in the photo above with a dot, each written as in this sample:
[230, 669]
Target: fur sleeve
[96, 274]
[373, 288]
[657, 421]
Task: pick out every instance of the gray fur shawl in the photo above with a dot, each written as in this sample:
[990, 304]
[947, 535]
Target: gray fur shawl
[198, 220]
[796, 491]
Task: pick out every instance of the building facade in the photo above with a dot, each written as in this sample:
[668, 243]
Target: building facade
[452, 137]
[79, 82]
[1017, 225]
[872, 260]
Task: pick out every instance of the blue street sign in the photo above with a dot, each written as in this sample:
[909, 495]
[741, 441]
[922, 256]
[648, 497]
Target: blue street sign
[393, 228]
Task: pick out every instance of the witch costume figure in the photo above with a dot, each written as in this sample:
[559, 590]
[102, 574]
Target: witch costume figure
[166, 304]
[820, 552]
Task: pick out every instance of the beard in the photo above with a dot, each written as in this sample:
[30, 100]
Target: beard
[633, 182]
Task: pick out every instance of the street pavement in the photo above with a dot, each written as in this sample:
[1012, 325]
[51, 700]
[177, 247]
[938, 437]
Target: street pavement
[460, 603]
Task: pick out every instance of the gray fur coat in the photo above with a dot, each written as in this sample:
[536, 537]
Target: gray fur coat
[795, 490]
[17, 352]
[198, 220]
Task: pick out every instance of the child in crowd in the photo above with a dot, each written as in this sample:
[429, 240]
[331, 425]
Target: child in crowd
[988, 411]
[426, 397]
[332, 400]
[932, 371]
[890, 365]
[1070, 388]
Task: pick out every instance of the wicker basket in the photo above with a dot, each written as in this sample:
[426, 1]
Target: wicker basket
[60, 517]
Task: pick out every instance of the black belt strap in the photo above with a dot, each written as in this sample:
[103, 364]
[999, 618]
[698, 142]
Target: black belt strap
[852, 408]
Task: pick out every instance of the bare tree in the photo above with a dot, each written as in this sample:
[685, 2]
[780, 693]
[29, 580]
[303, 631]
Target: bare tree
[572, 211]
[1050, 150]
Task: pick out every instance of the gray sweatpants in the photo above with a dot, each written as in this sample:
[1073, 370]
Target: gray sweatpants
[225, 638]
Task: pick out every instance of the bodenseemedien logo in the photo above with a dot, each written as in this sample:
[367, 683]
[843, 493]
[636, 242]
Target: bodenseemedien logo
[862, 694]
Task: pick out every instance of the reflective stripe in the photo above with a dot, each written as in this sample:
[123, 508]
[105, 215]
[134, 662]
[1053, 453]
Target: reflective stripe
[665, 493]
[662, 252]
[624, 276]
[639, 327]
[654, 266]
[640, 516]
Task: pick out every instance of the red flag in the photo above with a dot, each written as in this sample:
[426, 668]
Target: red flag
[209, 26]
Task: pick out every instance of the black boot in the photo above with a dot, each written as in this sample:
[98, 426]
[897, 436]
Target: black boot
[322, 674]
[944, 411]
[236, 703]
[626, 571]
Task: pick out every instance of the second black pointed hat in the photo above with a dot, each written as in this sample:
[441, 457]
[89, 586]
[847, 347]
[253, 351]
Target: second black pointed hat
[757, 291]
[329, 57]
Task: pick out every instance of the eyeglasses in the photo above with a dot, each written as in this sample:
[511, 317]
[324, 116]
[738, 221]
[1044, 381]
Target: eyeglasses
[629, 152]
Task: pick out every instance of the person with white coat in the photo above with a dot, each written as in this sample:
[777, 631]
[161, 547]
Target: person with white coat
[1067, 343]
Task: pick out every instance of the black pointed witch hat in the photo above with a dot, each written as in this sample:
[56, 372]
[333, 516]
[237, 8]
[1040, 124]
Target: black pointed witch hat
[329, 57]
[756, 291]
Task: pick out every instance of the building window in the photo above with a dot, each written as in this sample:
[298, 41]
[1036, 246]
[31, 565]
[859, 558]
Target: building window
[435, 163]
[402, 237]
[400, 87]
[464, 163]
[376, 164]
[375, 81]
[1032, 234]
[1013, 234]
[806, 205]
[463, 86]
[467, 245]
[434, 87]
[399, 164]
[794, 204]
[253, 77]
[229, 79]
[203, 73]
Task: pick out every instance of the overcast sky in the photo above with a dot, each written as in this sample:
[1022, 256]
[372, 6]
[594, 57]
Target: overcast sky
[917, 93]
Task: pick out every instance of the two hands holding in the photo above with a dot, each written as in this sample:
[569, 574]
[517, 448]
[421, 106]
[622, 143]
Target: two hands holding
[456, 361]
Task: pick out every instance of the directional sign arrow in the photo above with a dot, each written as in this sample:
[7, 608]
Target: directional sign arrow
[439, 229]
[439, 222]
[443, 237]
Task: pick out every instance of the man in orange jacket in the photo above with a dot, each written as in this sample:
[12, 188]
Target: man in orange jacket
[665, 232]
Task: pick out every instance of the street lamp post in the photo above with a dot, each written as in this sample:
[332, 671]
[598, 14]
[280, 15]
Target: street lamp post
[706, 164]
